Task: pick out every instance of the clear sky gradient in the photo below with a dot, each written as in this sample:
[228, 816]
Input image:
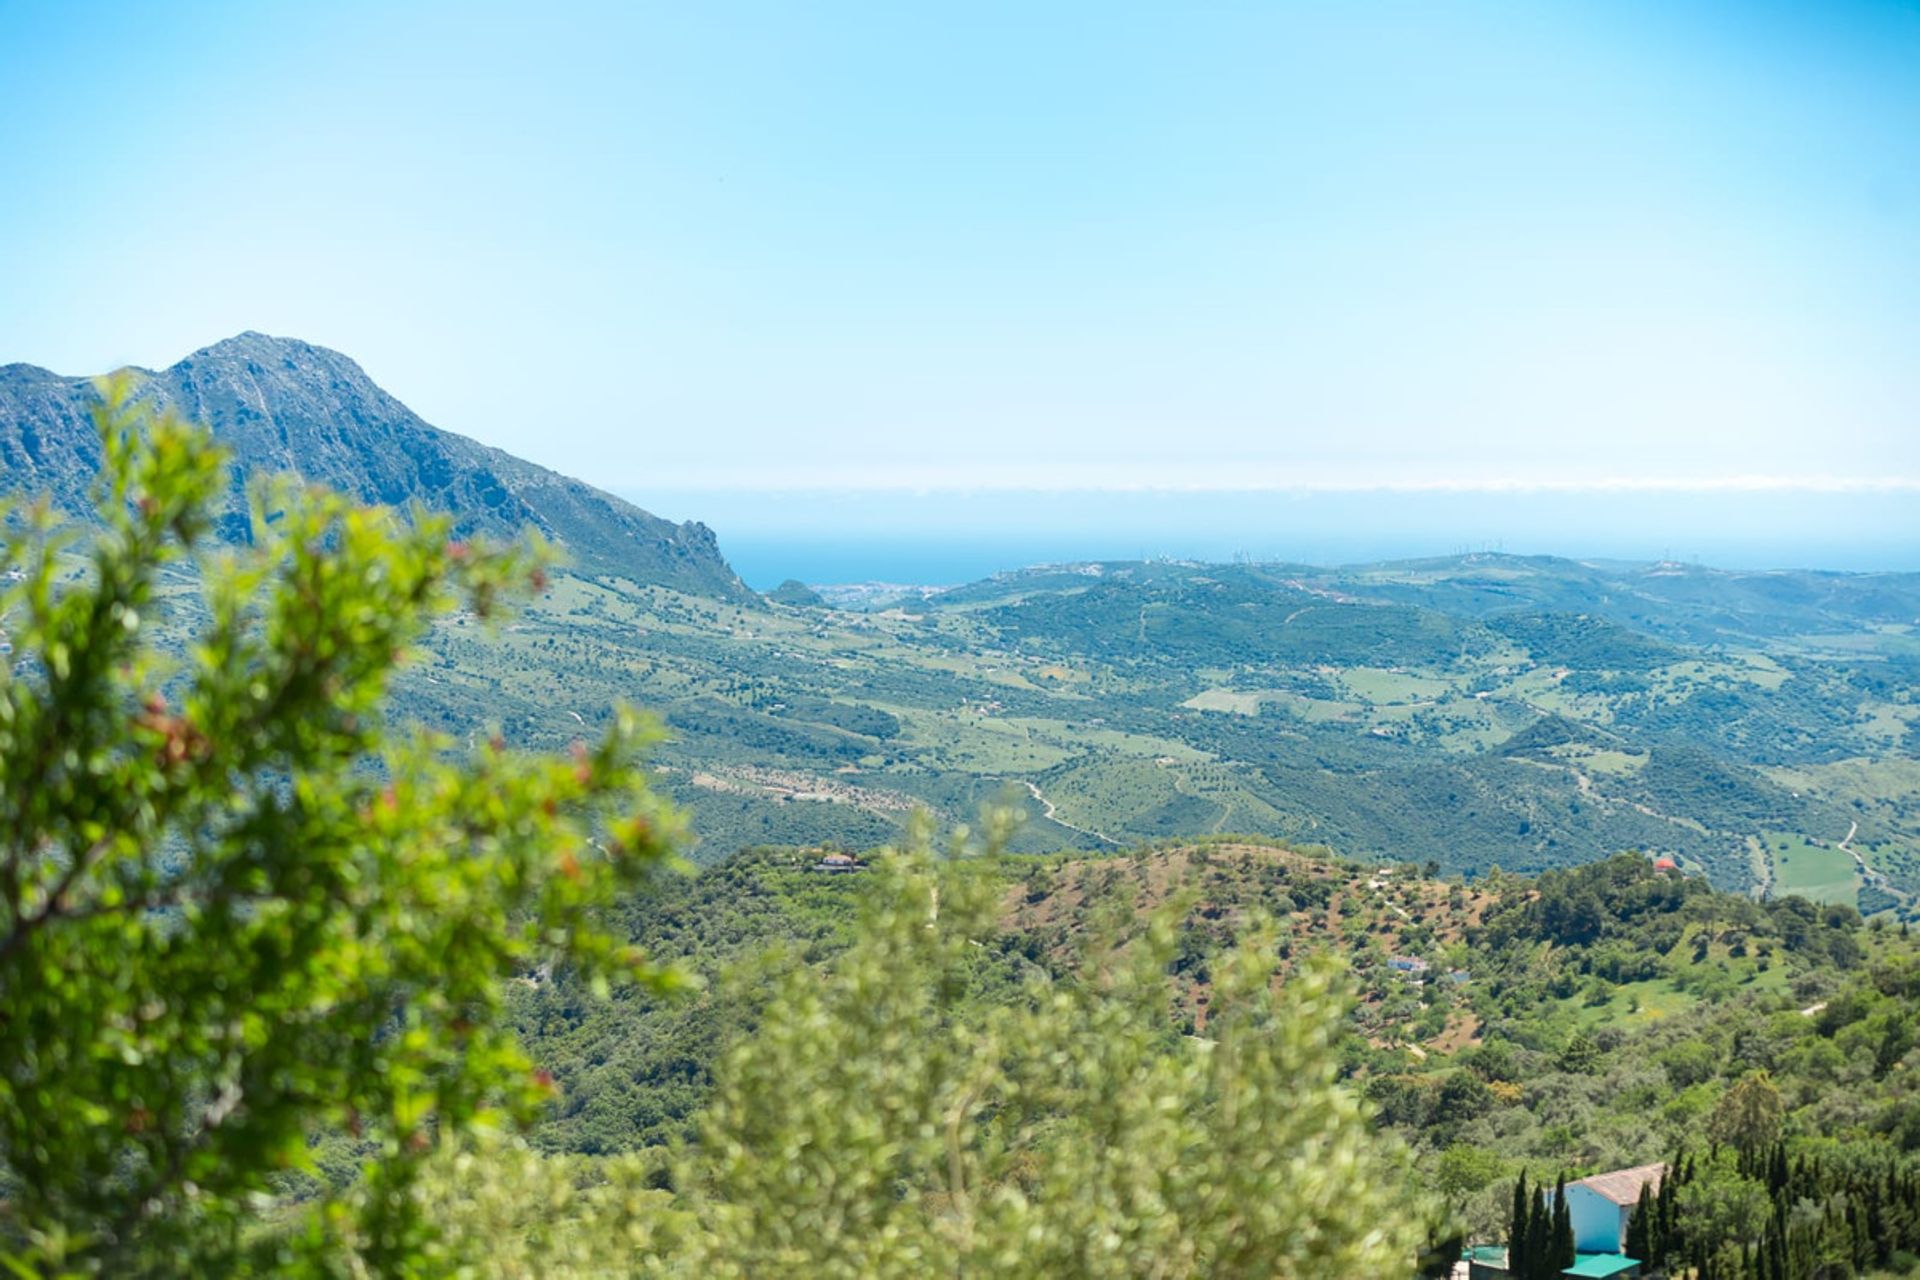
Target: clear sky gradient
[707, 247]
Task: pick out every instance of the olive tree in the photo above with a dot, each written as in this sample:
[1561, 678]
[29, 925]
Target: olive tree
[882, 1122]
[1748, 1116]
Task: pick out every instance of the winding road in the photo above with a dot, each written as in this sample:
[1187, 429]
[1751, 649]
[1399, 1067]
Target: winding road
[1047, 811]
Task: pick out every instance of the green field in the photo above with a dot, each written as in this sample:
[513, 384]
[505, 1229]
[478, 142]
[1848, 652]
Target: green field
[1598, 760]
[1634, 1004]
[1372, 684]
[1821, 873]
[1641, 1004]
[1245, 702]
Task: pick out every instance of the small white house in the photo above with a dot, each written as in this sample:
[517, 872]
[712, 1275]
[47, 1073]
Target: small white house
[1601, 1205]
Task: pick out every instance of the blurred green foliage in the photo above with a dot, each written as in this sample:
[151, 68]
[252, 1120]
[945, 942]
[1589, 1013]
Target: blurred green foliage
[881, 1120]
[233, 911]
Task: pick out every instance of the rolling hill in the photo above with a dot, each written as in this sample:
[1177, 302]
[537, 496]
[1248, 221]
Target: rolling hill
[1205, 699]
[1491, 1013]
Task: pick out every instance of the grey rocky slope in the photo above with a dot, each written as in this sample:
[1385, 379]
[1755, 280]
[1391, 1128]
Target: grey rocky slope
[284, 405]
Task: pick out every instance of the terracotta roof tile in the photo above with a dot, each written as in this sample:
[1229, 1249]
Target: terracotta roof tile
[1622, 1186]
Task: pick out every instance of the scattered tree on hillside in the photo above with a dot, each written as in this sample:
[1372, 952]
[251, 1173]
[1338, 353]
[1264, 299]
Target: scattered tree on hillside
[1748, 1117]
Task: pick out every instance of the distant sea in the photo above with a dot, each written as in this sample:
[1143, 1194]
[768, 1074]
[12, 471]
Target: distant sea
[939, 538]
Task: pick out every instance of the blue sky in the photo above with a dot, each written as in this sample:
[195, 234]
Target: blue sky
[693, 248]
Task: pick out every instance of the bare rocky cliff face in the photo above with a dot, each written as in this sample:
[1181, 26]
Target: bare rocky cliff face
[282, 405]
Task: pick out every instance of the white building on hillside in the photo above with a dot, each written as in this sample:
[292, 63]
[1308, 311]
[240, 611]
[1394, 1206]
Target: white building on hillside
[1601, 1205]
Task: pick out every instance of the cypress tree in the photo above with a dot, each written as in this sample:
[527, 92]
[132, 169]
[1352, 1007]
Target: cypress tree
[1539, 1240]
[1562, 1252]
[1876, 1220]
[1639, 1241]
[1517, 1229]
[1662, 1232]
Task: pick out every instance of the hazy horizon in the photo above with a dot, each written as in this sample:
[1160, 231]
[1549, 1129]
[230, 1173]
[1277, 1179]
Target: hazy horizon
[941, 538]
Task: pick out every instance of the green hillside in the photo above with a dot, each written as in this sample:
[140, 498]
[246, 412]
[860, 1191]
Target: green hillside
[1149, 702]
[1588, 1019]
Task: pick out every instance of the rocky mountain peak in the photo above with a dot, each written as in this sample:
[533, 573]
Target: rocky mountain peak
[282, 404]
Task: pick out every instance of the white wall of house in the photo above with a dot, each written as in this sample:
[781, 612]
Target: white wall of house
[1599, 1225]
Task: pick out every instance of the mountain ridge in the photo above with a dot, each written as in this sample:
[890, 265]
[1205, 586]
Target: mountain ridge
[286, 405]
[1690, 603]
